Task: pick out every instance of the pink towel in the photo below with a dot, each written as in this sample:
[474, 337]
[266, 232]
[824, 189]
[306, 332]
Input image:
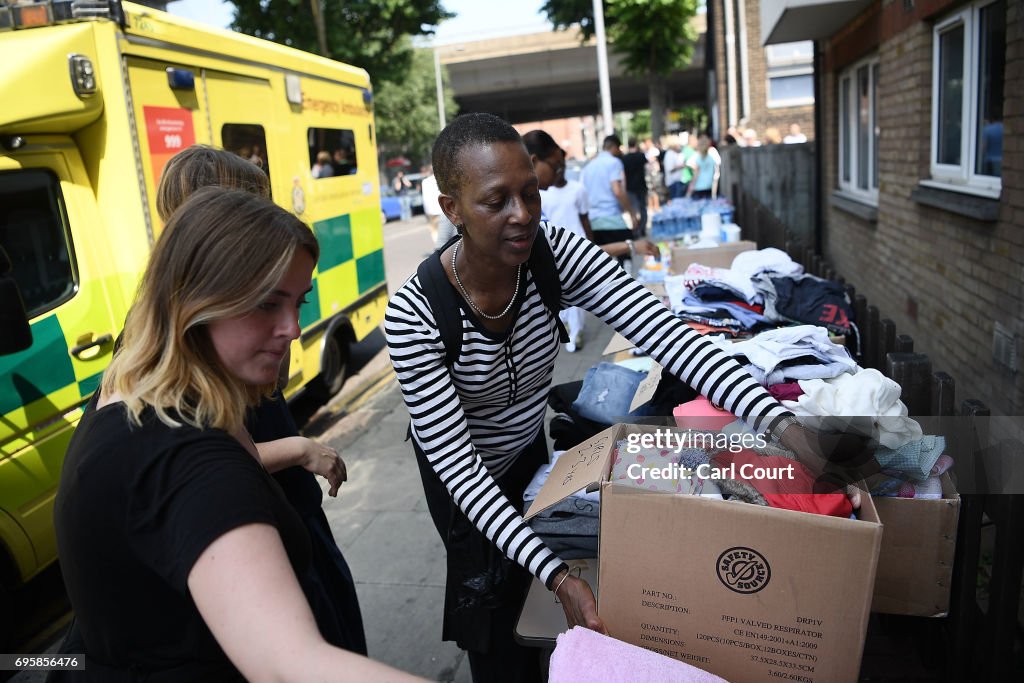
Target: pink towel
[584, 655]
[702, 415]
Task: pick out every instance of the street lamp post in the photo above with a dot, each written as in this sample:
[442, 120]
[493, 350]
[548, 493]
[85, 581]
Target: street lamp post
[602, 69]
[440, 90]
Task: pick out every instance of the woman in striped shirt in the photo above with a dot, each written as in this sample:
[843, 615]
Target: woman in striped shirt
[477, 426]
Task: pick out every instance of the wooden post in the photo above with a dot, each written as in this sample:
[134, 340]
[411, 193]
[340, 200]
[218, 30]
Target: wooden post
[886, 341]
[905, 343]
[1007, 511]
[860, 313]
[873, 340]
[964, 614]
[943, 393]
[913, 372]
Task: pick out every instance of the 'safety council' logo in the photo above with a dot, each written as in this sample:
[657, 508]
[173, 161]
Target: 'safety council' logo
[743, 570]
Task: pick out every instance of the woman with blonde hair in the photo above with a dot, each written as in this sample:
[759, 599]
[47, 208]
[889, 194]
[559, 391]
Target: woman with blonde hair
[178, 550]
[292, 459]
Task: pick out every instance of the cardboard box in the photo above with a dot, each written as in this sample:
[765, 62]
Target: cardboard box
[617, 343]
[715, 257]
[915, 564]
[749, 593]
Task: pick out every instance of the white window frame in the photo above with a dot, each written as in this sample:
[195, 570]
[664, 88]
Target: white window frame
[777, 66]
[962, 176]
[848, 121]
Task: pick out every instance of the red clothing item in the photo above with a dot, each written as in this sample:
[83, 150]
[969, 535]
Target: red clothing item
[791, 489]
[787, 391]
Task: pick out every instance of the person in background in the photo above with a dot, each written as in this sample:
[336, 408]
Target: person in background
[257, 156]
[322, 168]
[477, 424]
[548, 161]
[750, 138]
[605, 181]
[772, 136]
[344, 161]
[441, 229]
[431, 208]
[634, 163]
[402, 187]
[706, 165]
[991, 152]
[179, 551]
[565, 204]
[677, 165]
[795, 137]
[655, 181]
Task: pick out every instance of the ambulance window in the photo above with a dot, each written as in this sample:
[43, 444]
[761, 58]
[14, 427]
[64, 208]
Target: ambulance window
[248, 141]
[33, 232]
[332, 152]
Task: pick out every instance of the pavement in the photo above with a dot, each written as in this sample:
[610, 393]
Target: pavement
[382, 525]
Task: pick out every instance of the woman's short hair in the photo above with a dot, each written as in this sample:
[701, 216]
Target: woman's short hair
[468, 130]
[201, 166]
[221, 254]
[541, 144]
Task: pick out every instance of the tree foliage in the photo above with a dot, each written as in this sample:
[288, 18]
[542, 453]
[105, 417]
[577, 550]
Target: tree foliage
[654, 37]
[365, 33]
[406, 112]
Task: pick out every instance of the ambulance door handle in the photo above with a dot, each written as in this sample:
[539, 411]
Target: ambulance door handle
[77, 351]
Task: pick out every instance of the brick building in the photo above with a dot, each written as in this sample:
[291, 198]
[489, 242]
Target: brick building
[923, 212]
[751, 85]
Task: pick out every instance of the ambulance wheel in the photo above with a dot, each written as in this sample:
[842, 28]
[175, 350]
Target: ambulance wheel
[333, 367]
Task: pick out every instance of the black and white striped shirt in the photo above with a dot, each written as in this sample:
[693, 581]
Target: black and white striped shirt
[473, 421]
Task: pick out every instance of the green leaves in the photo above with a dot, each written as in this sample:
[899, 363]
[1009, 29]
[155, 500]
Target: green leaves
[654, 37]
[365, 33]
[406, 112]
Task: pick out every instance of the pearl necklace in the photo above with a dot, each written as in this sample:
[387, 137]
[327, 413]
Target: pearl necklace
[515, 294]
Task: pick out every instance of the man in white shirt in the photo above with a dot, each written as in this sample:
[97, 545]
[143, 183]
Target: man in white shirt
[795, 137]
[431, 205]
[565, 204]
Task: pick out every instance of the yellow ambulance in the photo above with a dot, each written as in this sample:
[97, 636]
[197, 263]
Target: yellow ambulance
[96, 97]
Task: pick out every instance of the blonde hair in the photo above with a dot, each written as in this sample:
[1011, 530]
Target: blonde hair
[222, 253]
[201, 166]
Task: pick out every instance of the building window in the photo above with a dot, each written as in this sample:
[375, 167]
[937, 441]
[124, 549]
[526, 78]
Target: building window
[790, 70]
[969, 58]
[858, 129]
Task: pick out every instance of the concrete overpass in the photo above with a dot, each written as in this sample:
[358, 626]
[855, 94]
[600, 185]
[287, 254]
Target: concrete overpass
[550, 75]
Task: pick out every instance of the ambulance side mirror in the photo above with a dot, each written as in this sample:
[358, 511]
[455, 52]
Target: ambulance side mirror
[15, 332]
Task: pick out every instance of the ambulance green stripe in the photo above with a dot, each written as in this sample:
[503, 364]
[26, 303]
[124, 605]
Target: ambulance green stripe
[38, 371]
[309, 314]
[89, 384]
[370, 270]
[335, 237]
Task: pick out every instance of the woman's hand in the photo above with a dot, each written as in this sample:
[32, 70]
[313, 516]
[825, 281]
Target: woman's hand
[578, 602]
[645, 247]
[325, 461]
